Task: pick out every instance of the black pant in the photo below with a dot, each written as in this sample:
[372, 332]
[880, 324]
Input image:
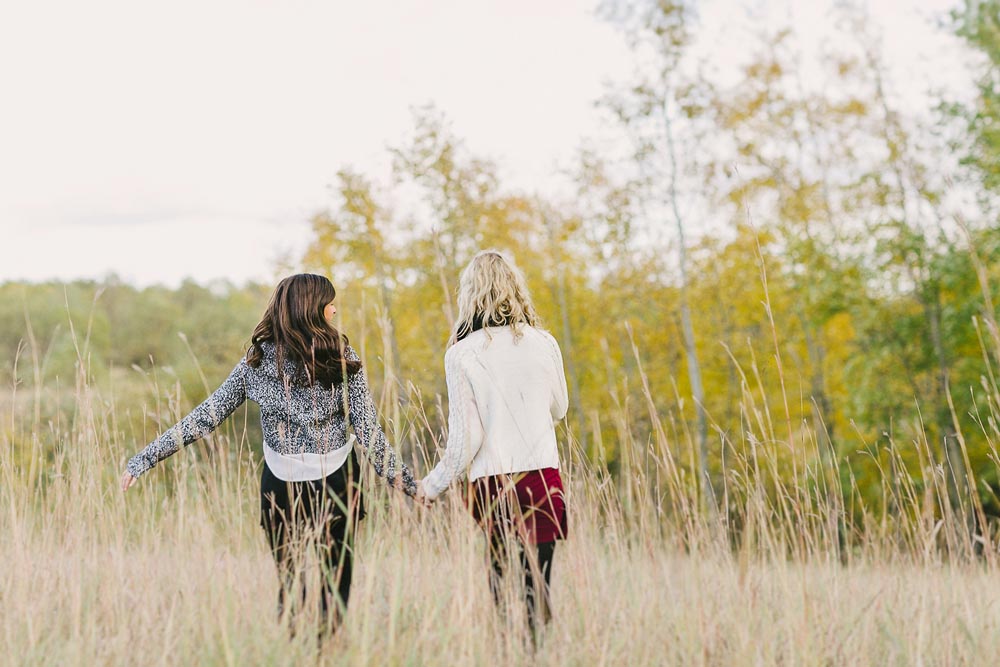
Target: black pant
[320, 515]
[535, 564]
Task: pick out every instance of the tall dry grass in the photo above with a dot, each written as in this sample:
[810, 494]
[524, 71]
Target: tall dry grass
[770, 567]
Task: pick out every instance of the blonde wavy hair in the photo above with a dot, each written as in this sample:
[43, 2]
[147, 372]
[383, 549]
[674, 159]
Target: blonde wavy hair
[492, 292]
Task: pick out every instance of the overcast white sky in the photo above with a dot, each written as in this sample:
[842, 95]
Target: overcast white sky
[196, 137]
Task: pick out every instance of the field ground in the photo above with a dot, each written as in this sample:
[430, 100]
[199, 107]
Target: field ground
[177, 572]
[186, 579]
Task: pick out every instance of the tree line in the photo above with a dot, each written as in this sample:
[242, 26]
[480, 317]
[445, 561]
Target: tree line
[791, 261]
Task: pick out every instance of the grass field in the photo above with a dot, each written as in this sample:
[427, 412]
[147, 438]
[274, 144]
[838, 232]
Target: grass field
[177, 571]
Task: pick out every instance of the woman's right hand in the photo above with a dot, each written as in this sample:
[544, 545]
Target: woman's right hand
[127, 480]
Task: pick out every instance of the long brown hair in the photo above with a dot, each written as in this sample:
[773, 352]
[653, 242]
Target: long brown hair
[295, 324]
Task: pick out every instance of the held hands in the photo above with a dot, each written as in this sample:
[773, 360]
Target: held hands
[421, 496]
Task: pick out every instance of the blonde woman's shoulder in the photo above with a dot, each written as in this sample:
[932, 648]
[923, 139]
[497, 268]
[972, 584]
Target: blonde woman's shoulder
[543, 334]
[470, 342]
[548, 341]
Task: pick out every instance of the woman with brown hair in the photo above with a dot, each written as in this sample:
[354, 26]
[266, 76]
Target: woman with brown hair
[310, 386]
[506, 390]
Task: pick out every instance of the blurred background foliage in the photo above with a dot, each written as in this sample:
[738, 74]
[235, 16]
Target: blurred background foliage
[845, 286]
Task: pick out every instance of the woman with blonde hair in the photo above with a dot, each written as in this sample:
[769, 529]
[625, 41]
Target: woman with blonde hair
[506, 390]
[310, 385]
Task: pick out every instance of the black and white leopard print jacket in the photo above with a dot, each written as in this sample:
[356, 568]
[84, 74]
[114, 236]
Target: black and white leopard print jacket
[294, 418]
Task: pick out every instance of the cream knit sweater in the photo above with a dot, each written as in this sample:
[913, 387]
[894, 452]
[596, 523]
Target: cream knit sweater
[504, 396]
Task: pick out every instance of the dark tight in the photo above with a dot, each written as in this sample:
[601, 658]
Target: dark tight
[536, 564]
[320, 515]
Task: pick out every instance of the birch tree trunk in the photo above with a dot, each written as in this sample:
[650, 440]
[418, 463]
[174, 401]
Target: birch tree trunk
[690, 350]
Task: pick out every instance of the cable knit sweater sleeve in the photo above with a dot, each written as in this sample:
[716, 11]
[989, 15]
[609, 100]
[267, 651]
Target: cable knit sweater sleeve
[560, 396]
[364, 418]
[203, 420]
[465, 429]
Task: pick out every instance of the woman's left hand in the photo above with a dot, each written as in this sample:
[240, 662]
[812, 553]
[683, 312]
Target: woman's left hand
[127, 480]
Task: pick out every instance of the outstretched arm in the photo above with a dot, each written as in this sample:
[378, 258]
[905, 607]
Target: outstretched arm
[364, 418]
[203, 420]
[465, 429]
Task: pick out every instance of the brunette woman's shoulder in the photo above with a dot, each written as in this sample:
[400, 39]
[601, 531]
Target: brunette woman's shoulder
[350, 353]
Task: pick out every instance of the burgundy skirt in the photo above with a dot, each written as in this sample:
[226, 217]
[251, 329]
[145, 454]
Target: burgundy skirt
[529, 504]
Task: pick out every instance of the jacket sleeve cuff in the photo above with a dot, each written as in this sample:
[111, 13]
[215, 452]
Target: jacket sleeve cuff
[433, 486]
[409, 484]
[138, 464]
